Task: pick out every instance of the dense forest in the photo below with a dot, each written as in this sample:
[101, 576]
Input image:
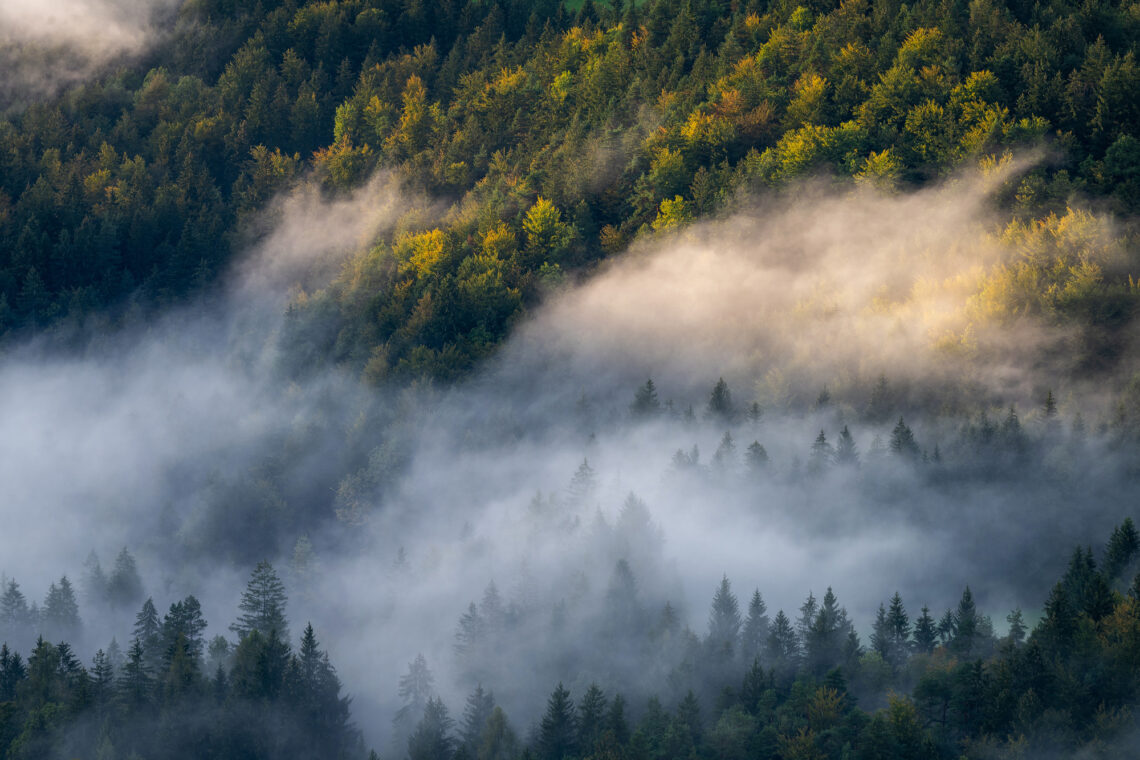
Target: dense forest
[364, 296]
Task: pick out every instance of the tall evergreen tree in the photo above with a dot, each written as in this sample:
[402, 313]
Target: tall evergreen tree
[432, 738]
[591, 718]
[60, 617]
[724, 622]
[720, 407]
[846, 452]
[148, 632]
[1122, 549]
[262, 604]
[902, 441]
[645, 402]
[480, 705]
[558, 731]
[755, 631]
[124, 586]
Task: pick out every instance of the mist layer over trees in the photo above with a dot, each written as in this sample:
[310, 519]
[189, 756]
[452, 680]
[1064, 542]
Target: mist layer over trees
[631, 380]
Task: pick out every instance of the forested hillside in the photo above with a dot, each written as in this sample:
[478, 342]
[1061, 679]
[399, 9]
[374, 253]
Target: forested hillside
[560, 136]
[370, 291]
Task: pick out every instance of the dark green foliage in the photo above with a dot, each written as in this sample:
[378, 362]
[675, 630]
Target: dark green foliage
[720, 406]
[902, 441]
[557, 738]
[645, 403]
[262, 604]
[1123, 545]
[432, 738]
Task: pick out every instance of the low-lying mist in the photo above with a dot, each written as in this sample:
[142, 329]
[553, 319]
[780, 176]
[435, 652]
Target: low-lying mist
[389, 511]
[48, 45]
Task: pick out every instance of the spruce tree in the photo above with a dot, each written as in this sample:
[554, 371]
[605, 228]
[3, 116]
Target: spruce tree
[591, 718]
[480, 705]
[925, 632]
[720, 407]
[558, 730]
[124, 586]
[262, 604]
[755, 630]
[645, 402]
[1122, 548]
[902, 441]
[148, 633]
[756, 457]
[724, 621]
[846, 453]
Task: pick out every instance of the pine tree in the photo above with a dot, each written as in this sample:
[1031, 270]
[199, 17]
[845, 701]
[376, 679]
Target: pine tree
[724, 621]
[757, 457]
[591, 718]
[94, 582]
[415, 688]
[725, 457]
[720, 407]
[498, 741]
[880, 634]
[12, 672]
[755, 630]
[480, 706]
[102, 680]
[184, 620]
[148, 633]
[1123, 546]
[1016, 627]
[262, 604]
[846, 453]
[124, 586]
[557, 731]
[898, 631]
[821, 454]
[966, 622]
[582, 484]
[14, 614]
[1050, 407]
[782, 650]
[616, 722]
[61, 611]
[432, 740]
[135, 681]
[902, 441]
[925, 632]
[645, 403]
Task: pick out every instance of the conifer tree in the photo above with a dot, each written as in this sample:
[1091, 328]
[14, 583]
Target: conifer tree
[755, 631]
[720, 407]
[902, 441]
[1016, 627]
[846, 453]
[498, 741]
[60, 616]
[925, 632]
[480, 706]
[591, 718]
[124, 586]
[558, 730]
[148, 633]
[262, 604]
[756, 457]
[432, 738]
[1123, 546]
[724, 459]
[724, 621]
[821, 453]
[645, 402]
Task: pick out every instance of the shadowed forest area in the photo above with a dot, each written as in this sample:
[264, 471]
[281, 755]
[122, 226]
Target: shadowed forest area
[545, 355]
